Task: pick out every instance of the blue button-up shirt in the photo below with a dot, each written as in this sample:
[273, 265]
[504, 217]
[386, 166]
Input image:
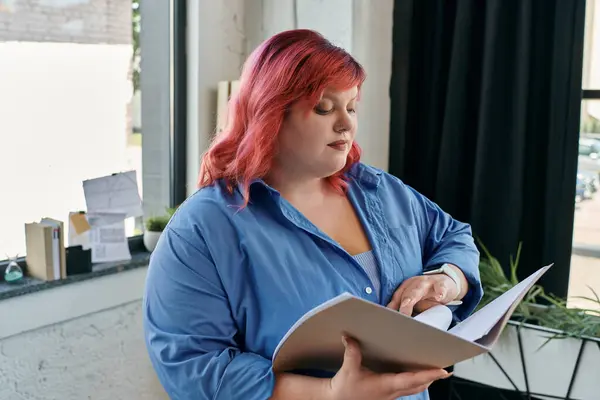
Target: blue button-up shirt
[225, 284]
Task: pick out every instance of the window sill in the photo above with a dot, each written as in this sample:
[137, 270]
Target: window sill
[32, 285]
[29, 305]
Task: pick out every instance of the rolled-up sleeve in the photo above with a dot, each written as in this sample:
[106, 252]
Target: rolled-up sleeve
[189, 331]
[446, 240]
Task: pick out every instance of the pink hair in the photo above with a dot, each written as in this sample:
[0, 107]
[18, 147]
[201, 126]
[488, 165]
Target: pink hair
[292, 66]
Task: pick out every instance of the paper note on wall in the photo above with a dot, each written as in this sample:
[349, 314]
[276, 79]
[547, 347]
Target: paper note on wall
[108, 241]
[79, 222]
[97, 219]
[79, 230]
[117, 193]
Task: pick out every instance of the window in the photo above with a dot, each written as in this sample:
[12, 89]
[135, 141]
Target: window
[585, 262]
[587, 150]
[70, 105]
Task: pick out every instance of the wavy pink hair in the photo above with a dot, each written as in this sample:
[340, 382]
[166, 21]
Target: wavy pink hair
[290, 67]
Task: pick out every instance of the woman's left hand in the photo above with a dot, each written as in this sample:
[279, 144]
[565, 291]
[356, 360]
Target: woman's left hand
[420, 293]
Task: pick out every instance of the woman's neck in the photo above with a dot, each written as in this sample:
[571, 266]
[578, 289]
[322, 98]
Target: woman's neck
[299, 189]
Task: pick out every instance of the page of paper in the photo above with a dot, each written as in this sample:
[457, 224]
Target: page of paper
[97, 219]
[329, 303]
[437, 316]
[78, 221]
[484, 320]
[75, 239]
[109, 243]
[114, 193]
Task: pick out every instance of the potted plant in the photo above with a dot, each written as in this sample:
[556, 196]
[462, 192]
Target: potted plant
[545, 350]
[154, 227]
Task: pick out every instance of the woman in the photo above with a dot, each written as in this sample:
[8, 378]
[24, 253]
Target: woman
[286, 218]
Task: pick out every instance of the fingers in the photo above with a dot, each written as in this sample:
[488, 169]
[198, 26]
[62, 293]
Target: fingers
[440, 290]
[425, 305]
[419, 290]
[352, 354]
[394, 303]
[412, 391]
[409, 382]
[403, 298]
[353, 380]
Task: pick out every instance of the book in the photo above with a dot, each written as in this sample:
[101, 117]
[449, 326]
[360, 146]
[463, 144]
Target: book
[59, 265]
[39, 255]
[45, 257]
[391, 341]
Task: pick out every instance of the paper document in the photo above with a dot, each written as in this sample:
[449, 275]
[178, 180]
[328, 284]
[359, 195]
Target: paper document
[391, 341]
[437, 316]
[481, 323]
[114, 193]
[79, 230]
[109, 242]
[79, 222]
[98, 219]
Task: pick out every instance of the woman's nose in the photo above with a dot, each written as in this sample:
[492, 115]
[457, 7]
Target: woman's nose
[344, 123]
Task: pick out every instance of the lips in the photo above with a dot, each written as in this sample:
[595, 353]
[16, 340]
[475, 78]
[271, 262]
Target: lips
[338, 145]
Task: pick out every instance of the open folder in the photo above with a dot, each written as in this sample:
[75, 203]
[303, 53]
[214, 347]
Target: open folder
[391, 341]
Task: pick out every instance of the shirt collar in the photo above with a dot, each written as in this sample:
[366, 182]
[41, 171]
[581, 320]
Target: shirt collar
[365, 174]
[361, 172]
[254, 183]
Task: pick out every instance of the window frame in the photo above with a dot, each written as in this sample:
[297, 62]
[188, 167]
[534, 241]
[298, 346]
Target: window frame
[590, 94]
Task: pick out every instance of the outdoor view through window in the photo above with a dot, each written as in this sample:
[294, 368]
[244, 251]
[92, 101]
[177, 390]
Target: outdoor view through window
[70, 107]
[585, 262]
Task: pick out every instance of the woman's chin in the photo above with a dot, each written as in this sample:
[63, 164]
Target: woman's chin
[334, 166]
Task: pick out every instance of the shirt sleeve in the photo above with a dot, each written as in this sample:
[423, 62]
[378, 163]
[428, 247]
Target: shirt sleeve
[446, 240]
[189, 331]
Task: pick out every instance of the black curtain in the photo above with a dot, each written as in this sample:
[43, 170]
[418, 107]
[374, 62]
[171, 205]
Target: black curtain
[485, 102]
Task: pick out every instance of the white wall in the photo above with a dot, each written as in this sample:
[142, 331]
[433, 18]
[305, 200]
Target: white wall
[99, 356]
[372, 47]
[216, 50]
[235, 27]
[78, 341]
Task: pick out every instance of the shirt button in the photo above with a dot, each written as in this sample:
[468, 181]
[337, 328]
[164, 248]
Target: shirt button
[368, 290]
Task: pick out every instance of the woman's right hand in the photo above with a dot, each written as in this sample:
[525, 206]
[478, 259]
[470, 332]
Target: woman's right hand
[353, 381]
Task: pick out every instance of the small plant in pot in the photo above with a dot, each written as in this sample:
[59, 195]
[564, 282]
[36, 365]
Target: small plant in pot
[154, 227]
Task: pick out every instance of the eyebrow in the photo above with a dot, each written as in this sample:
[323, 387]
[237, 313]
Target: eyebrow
[334, 97]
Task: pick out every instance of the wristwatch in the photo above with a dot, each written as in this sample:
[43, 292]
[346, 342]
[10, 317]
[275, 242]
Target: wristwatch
[447, 270]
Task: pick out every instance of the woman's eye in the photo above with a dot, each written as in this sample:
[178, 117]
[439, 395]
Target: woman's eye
[351, 110]
[322, 111]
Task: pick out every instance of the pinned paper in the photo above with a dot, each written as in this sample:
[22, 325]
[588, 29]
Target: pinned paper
[79, 223]
[109, 242]
[116, 193]
[97, 219]
[76, 221]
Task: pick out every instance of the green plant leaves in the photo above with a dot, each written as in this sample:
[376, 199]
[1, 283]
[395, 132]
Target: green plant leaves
[159, 223]
[570, 321]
